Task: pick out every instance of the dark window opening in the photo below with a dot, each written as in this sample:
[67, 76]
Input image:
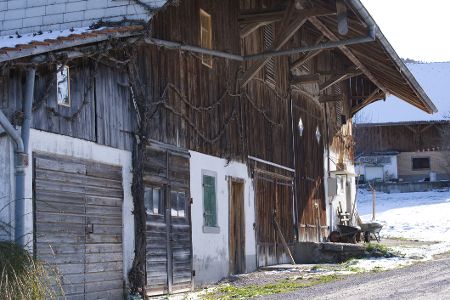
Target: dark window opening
[421, 163]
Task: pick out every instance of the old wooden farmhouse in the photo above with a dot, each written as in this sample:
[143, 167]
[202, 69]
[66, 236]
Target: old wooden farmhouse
[157, 145]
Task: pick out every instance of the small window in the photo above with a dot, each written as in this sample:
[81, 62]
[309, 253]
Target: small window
[209, 200]
[206, 36]
[178, 204]
[421, 163]
[154, 200]
[63, 85]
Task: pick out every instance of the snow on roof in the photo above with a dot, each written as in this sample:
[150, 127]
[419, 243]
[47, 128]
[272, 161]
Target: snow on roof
[32, 44]
[435, 80]
[11, 41]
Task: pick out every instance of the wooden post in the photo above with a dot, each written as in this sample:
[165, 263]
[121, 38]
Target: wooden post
[374, 201]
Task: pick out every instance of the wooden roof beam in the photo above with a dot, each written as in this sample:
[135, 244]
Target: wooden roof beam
[347, 52]
[302, 79]
[377, 94]
[291, 24]
[330, 98]
[262, 16]
[336, 79]
[303, 60]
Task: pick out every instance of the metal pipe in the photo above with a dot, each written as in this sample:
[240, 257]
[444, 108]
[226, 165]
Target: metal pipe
[12, 132]
[22, 159]
[28, 106]
[179, 46]
[330, 45]
[364, 14]
[323, 46]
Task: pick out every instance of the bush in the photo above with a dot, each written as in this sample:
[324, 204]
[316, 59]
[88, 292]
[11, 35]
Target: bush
[23, 277]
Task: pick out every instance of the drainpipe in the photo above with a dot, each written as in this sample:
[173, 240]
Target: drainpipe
[19, 165]
[21, 159]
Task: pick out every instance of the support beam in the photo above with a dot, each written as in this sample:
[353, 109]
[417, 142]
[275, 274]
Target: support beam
[289, 29]
[347, 52]
[303, 60]
[336, 79]
[263, 16]
[374, 96]
[250, 28]
[302, 79]
[330, 98]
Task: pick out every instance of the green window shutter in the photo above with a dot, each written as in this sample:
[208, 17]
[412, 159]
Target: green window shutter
[209, 201]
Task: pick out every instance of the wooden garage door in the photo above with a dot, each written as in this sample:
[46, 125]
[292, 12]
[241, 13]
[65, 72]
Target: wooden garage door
[274, 194]
[78, 224]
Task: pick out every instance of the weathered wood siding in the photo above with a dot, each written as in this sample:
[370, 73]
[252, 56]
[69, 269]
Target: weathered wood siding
[101, 110]
[78, 224]
[402, 138]
[203, 109]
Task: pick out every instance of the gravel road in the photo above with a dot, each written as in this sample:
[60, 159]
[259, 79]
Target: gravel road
[429, 280]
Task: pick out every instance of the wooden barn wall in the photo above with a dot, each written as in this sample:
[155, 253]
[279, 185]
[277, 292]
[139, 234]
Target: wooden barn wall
[400, 138]
[195, 106]
[101, 110]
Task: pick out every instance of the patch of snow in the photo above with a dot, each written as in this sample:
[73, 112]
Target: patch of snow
[422, 216]
[11, 41]
[418, 216]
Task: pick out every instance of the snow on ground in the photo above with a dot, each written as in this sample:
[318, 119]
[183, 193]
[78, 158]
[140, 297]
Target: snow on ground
[421, 216]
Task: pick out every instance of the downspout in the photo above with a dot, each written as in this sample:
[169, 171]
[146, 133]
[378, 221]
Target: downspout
[21, 159]
[19, 166]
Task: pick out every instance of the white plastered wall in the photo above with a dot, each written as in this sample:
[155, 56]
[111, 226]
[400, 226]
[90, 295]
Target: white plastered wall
[211, 250]
[6, 188]
[346, 192]
[62, 145]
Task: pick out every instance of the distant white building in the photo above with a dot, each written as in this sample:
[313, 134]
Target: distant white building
[396, 141]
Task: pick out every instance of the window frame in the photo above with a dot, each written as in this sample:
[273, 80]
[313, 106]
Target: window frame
[59, 69]
[420, 169]
[178, 192]
[162, 203]
[208, 228]
[207, 60]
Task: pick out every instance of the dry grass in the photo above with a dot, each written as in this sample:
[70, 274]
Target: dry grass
[23, 277]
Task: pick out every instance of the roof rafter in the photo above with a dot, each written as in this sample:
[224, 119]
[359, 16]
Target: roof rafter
[291, 24]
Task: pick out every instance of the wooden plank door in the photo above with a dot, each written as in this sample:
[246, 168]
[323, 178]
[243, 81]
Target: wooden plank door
[59, 220]
[104, 253]
[78, 224]
[236, 226]
[157, 240]
[273, 194]
[180, 241]
[169, 229]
